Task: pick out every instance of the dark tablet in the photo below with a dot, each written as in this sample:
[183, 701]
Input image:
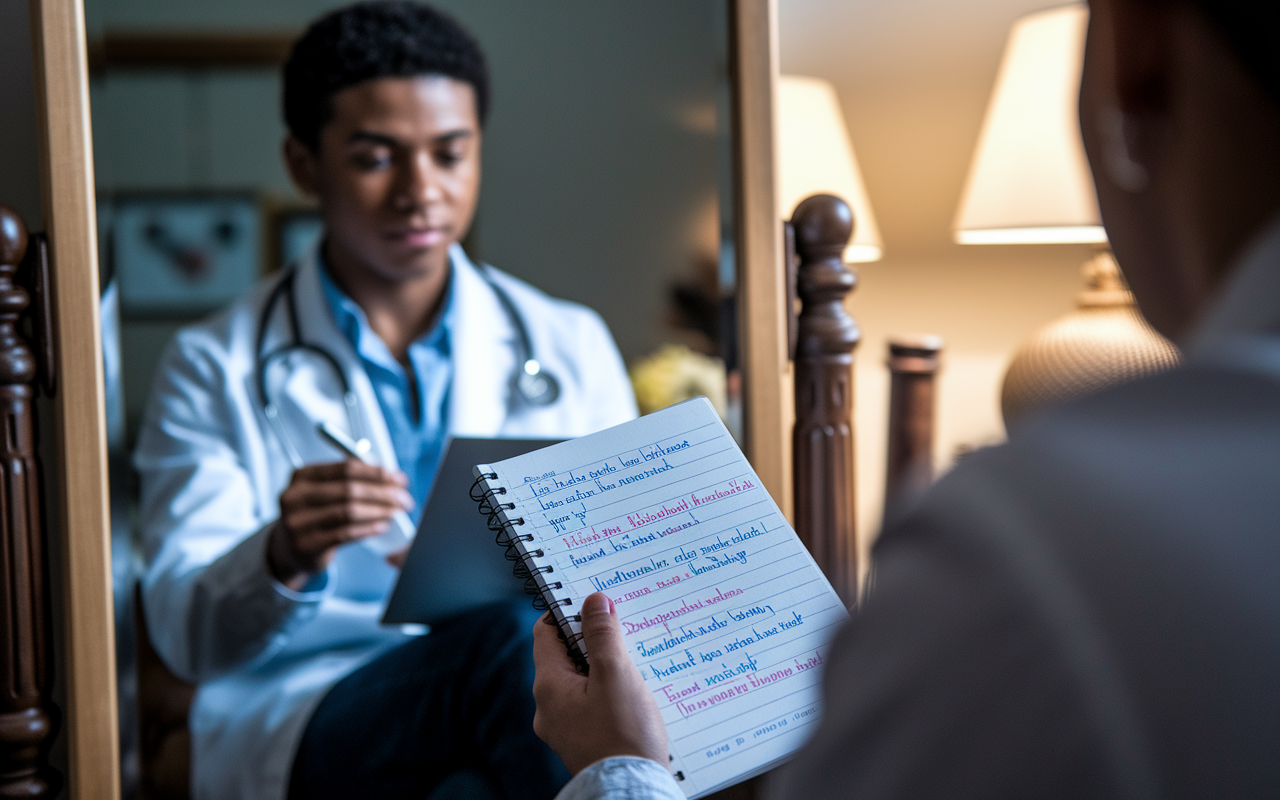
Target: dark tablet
[453, 564]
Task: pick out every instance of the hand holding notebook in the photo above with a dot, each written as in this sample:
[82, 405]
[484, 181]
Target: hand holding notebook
[610, 713]
[723, 611]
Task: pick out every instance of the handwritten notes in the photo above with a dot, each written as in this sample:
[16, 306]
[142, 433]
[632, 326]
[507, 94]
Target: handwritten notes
[724, 611]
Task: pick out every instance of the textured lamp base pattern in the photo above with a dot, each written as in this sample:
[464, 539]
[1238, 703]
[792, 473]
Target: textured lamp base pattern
[1103, 342]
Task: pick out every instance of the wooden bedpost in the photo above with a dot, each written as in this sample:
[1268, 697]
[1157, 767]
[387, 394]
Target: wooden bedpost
[913, 367]
[825, 340]
[27, 719]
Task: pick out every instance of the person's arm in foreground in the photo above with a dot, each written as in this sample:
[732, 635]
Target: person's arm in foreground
[606, 727]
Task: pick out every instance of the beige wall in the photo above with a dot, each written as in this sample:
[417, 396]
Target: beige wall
[913, 78]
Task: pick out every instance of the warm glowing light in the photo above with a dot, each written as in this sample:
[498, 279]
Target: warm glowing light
[862, 253]
[815, 157]
[1029, 182]
[1064, 234]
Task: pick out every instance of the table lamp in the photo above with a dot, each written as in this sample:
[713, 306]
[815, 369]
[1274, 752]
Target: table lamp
[815, 157]
[1029, 183]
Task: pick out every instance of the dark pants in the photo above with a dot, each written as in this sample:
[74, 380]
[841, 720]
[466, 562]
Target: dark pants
[457, 699]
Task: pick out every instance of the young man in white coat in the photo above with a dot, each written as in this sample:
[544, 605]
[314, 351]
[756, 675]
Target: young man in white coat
[1092, 610]
[262, 584]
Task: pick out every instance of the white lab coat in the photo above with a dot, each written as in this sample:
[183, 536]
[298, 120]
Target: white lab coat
[212, 472]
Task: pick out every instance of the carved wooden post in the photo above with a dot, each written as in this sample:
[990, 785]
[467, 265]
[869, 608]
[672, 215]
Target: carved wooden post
[827, 336]
[913, 365]
[26, 718]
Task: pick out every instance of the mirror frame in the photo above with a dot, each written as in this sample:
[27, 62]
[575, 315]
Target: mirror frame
[79, 480]
[768, 393]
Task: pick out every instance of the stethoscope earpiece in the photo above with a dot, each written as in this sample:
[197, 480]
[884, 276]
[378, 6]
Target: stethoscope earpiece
[536, 386]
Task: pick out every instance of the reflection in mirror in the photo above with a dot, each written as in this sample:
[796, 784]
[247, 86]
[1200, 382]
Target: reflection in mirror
[606, 181]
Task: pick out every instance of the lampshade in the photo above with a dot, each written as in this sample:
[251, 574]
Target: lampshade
[1029, 182]
[815, 157]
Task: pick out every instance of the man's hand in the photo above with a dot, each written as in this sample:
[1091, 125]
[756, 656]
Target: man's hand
[609, 713]
[326, 506]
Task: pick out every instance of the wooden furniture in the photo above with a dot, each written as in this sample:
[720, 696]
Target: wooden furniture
[76, 461]
[758, 243]
[147, 50]
[826, 337]
[822, 338]
[164, 708]
[913, 367]
[28, 719]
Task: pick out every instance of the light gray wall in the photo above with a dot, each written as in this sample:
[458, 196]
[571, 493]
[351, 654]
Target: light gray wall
[19, 148]
[600, 159]
[599, 156]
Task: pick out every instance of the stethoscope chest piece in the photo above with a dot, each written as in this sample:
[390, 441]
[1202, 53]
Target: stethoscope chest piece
[535, 385]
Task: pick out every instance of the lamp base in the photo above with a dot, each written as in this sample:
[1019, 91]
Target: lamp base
[1103, 342]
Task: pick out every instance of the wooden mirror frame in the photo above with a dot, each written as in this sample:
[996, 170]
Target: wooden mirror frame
[762, 329]
[78, 477]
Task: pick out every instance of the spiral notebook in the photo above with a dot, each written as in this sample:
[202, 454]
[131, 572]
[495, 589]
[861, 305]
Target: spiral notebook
[724, 610]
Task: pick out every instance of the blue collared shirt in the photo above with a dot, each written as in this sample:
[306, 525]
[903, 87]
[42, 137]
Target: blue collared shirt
[417, 422]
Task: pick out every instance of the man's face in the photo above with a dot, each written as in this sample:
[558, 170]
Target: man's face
[397, 173]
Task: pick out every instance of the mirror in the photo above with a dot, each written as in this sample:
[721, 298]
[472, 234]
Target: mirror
[607, 180]
[602, 161]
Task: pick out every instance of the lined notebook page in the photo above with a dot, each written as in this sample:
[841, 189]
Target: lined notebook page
[725, 612]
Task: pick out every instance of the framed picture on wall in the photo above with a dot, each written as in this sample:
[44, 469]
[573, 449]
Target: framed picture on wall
[183, 254]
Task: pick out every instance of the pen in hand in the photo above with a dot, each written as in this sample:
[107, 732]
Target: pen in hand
[359, 450]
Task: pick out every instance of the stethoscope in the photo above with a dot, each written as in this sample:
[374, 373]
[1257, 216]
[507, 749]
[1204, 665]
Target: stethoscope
[533, 384]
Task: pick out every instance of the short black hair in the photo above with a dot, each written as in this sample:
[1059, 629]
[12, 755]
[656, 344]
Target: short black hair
[1251, 30]
[385, 38]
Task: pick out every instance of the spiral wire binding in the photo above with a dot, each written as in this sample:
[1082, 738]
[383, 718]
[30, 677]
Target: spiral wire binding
[505, 536]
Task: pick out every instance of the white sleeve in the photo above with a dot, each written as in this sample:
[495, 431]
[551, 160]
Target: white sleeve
[211, 603]
[622, 778]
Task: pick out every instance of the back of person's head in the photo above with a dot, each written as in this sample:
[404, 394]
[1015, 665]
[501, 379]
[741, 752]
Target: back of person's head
[1180, 112]
[366, 41]
[1251, 29]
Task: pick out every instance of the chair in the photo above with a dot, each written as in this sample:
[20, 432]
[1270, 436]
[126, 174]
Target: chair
[164, 704]
[823, 337]
[28, 719]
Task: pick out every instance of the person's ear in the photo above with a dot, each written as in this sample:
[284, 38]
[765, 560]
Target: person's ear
[1132, 95]
[1143, 55]
[303, 165]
